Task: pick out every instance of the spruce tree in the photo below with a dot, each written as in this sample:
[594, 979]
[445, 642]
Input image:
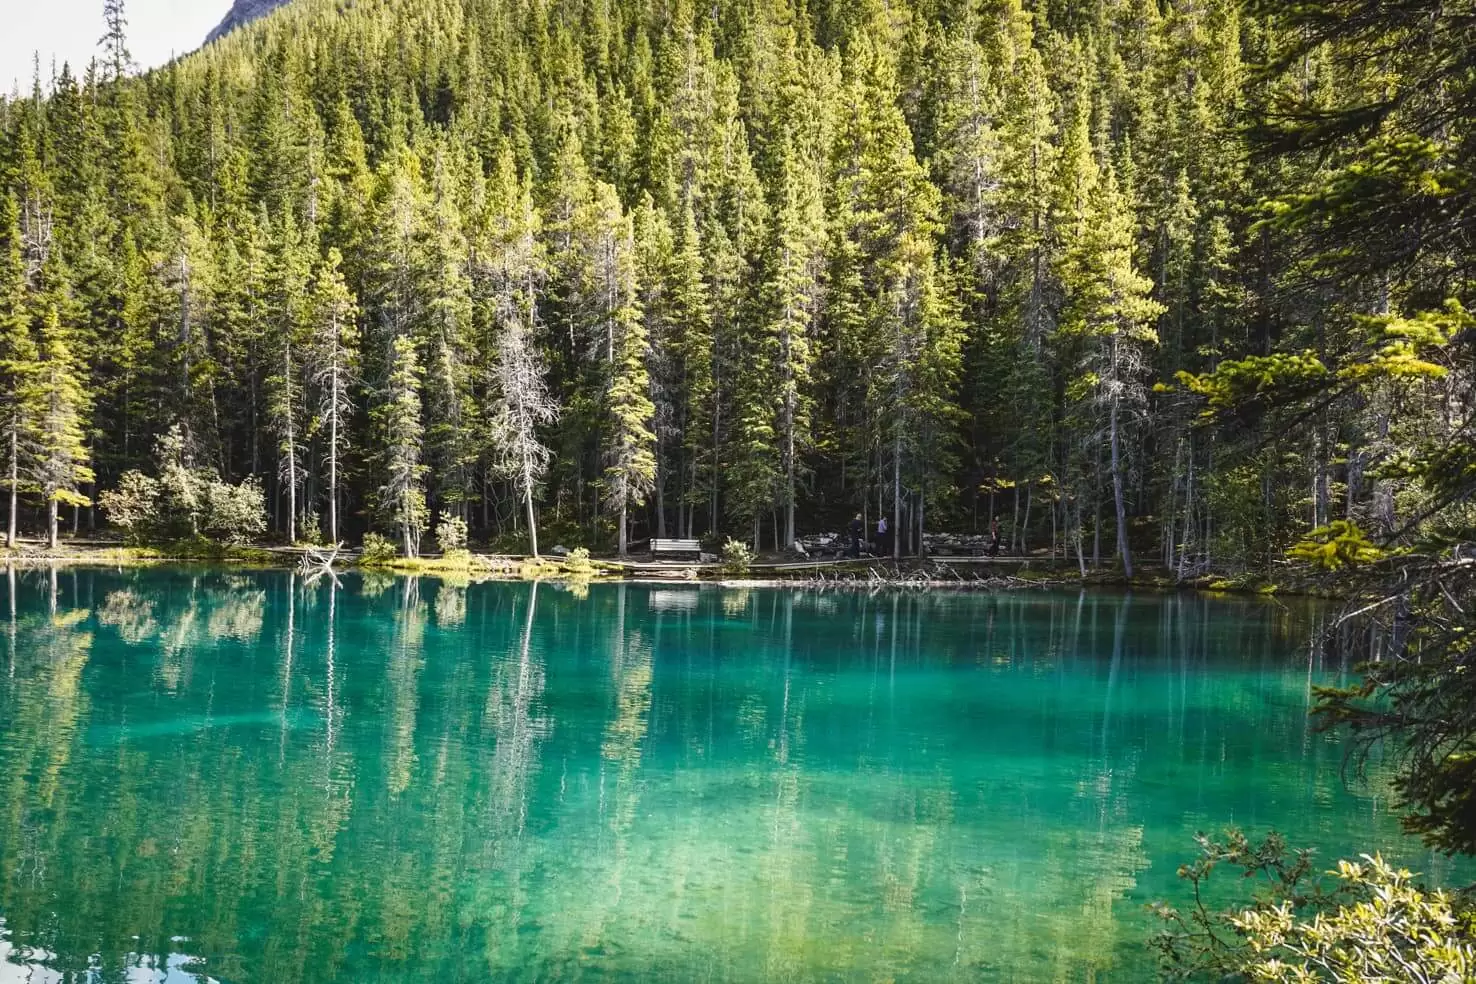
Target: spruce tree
[18, 357]
[1110, 309]
[289, 311]
[451, 446]
[627, 441]
[60, 465]
[334, 355]
[794, 269]
[399, 434]
[522, 406]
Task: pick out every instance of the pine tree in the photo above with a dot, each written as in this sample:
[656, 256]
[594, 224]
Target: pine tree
[290, 312]
[878, 263]
[450, 434]
[628, 442]
[61, 462]
[654, 248]
[114, 42]
[794, 273]
[522, 404]
[400, 498]
[1109, 307]
[334, 355]
[689, 312]
[18, 357]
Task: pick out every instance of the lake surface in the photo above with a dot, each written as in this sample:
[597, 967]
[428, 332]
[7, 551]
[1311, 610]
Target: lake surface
[243, 778]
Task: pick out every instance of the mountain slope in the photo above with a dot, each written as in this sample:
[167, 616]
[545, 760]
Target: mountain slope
[777, 262]
[242, 12]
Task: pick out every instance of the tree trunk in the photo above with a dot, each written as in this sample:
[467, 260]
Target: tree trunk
[1015, 523]
[406, 542]
[333, 461]
[1188, 513]
[53, 540]
[1081, 564]
[660, 503]
[14, 481]
[291, 451]
[528, 503]
[896, 494]
[1055, 535]
[922, 549]
[291, 490]
[1025, 523]
[624, 534]
[1170, 521]
[1117, 496]
[789, 470]
[1097, 510]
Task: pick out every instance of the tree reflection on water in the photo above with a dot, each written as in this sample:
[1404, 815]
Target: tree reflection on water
[413, 780]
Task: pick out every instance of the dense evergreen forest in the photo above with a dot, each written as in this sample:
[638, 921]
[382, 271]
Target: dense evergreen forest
[657, 267]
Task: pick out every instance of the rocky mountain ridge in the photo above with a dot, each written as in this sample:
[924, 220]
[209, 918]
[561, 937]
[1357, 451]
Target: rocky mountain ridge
[242, 12]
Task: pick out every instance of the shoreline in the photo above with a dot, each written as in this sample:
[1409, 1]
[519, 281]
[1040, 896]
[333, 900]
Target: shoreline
[917, 574]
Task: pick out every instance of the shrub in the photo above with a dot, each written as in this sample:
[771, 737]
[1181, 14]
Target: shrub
[578, 562]
[737, 557]
[451, 534]
[233, 514]
[184, 503]
[310, 529]
[134, 506]
[1372, 924]
[1385, 929]
[377, 550]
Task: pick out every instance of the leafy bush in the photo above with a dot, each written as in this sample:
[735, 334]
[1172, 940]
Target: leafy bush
[134, 506]
[1386, 929]
[184, 502]
[377, 550]
[577, 562]
[310, 529]
[233, 513]
[1335, 546]
[451, 534]
[1372, 924]
[737, 557]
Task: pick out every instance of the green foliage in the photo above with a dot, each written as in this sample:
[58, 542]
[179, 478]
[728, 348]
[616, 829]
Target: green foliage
[1236, 382]
[737, 557]
[451, 534]
[400, 499]
[577, 563]
[233, 514]
[133, 507]
[1336, 546]
[184, 502]
[377, 551]
[1373, 923]
[1389, 929]
[741, 268]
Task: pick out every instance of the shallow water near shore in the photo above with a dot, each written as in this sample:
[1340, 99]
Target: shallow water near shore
[247, 778]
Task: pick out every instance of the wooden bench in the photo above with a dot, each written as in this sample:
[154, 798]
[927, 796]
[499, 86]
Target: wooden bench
[660, 548]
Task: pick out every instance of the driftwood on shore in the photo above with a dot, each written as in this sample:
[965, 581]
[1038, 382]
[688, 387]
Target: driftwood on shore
[316, 562]
[933, 576]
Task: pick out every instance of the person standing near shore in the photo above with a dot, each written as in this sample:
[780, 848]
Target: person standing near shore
[883, 541]
[856, 529]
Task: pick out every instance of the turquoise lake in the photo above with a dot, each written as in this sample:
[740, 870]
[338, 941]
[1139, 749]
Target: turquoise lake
[246, 778]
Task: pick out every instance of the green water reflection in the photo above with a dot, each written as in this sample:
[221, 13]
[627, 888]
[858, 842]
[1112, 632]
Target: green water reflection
[246, 778]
